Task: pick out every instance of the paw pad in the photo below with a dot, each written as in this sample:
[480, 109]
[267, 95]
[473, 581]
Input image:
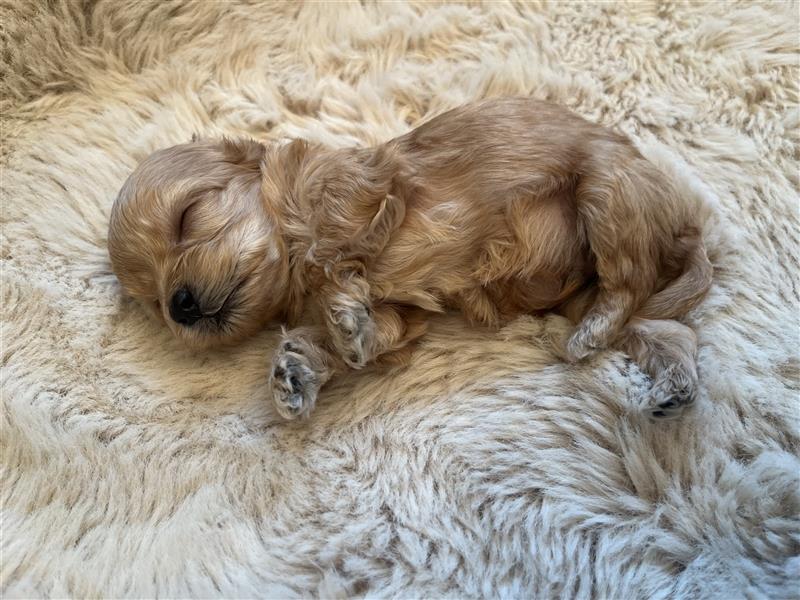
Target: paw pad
[293, 384]
[672, 393]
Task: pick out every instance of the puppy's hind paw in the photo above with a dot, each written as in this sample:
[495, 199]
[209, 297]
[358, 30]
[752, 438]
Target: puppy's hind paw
[592, 335]
[581, 345]
[672, 393]
[293, 384]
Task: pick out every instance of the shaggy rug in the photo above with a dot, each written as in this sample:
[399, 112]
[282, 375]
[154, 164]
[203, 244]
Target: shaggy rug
[134, 468]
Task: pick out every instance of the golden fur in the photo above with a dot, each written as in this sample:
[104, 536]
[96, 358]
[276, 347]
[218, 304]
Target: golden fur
[496, 209]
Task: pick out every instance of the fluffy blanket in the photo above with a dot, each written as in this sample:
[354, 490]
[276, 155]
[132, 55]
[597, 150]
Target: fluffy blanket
[488, 468]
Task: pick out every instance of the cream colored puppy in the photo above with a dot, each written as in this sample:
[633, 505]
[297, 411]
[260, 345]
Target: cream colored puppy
[499, 208]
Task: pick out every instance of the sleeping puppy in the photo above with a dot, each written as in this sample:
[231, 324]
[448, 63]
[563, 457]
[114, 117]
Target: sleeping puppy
[497, 209]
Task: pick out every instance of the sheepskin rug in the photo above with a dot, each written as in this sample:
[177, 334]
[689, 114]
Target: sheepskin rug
[134, 468]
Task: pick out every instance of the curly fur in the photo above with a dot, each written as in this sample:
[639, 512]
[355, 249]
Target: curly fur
[499, 208]
[488, 467]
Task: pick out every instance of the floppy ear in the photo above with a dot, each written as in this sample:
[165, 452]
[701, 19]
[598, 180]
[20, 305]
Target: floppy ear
[243, 152]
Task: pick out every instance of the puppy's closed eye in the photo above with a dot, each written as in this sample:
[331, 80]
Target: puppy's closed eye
[191, 219]
[185, 221]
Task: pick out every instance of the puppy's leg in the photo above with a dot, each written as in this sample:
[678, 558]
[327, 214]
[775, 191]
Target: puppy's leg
[347, 313]
[601, 325]
[306, 357]
[360, 332]
[666, 351]
[397, 330]
[599, 316]
[615, 197]
[300, 367]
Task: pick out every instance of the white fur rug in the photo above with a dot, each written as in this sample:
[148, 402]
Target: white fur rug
[131, 467]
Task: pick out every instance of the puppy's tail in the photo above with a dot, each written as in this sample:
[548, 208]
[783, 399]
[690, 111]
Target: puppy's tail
[685, 291]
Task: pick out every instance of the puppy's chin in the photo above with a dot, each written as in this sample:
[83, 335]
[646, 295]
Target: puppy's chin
[207, 334]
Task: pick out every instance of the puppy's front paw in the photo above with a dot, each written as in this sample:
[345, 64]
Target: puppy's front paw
[672, 393]
[352, 332]
[294, 385]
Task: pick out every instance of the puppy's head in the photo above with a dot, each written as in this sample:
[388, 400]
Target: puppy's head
[190, 237]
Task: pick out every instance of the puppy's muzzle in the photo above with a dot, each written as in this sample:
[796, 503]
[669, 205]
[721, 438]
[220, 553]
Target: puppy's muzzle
[183, 308]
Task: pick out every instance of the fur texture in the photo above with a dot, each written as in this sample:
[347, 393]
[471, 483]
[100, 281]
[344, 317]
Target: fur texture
[499, 208]
[488, 467]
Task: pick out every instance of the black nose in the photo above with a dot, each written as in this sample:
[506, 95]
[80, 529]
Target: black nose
[183, 309]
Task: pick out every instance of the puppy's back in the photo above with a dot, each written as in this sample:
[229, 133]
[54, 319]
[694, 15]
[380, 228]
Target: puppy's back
[502, 144]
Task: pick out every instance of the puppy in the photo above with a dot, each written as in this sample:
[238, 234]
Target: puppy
[497, 209]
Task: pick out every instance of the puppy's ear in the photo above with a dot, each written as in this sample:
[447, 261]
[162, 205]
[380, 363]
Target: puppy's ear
[245, 153]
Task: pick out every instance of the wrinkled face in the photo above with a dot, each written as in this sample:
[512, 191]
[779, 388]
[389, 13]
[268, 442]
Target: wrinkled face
[190, 238]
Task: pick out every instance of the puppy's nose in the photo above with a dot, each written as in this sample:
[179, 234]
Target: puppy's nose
[183, 309]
